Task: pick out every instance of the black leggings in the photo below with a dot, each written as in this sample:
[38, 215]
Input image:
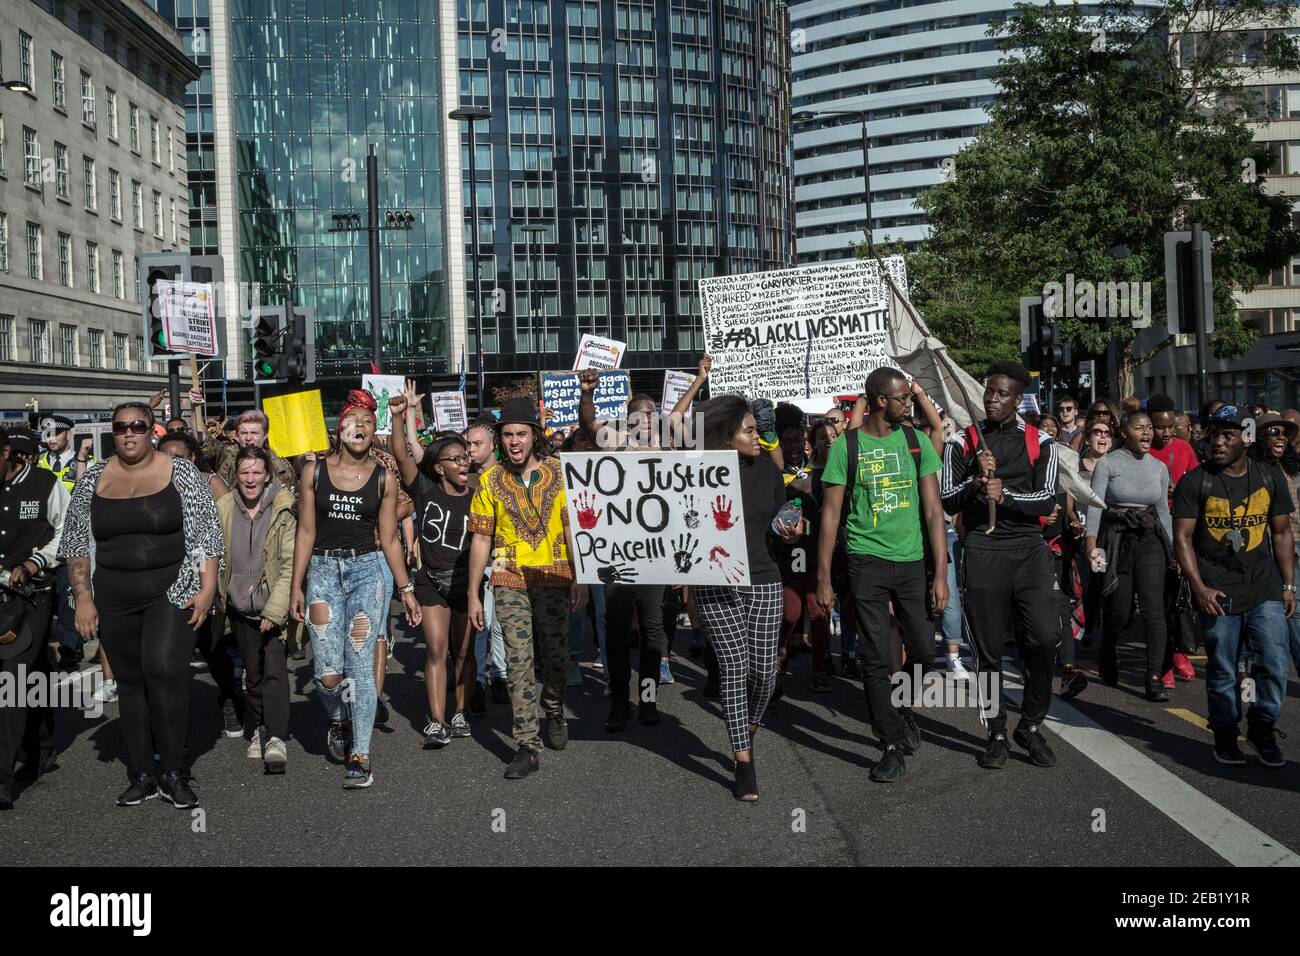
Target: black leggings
[647, 603]
[150, 650]
[1145, 580]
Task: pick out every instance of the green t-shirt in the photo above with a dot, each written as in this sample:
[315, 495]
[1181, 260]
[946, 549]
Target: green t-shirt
[885, 516]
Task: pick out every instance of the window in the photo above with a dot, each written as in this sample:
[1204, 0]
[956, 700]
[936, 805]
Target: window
[60, 170]
[25, 60]
[119, 351]
[96, 337]
[3, 171]
[4, 242]
[171, 152]
[119, 275]
[157, 214]
[88, 177]
[133, 125]
[68, 345]
[92, 266]
[87, 99]
[171, 205]
[31, 158]
[115, 195]
[35, 267]
[38, 341]
[137, 205]
[6, 338]
[139, 353]
[57, 86]
[65, 260]
[110, 105]
[155, 149]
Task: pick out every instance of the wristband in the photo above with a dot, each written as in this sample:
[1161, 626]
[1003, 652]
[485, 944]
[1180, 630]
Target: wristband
[407, 588]
[1288, 587]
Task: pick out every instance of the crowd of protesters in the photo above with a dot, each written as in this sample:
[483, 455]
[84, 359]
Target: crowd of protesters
[928, 549]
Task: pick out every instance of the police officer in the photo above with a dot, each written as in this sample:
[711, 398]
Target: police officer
[60, 457]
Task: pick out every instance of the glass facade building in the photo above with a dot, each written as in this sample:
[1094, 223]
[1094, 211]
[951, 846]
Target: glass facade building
[634, 148]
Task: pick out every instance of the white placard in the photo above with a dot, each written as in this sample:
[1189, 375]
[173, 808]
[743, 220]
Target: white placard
[449, 411]
[675, 385]
[595, 351]
[189, 316]
[656, 517]
[794, 333]
[383, 387]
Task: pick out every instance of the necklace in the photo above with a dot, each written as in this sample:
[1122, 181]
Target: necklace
[1235, 539]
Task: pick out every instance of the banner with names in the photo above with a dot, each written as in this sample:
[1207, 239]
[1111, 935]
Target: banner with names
[561, 395]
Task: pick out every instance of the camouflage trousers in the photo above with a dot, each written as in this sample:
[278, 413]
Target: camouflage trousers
[523, 613]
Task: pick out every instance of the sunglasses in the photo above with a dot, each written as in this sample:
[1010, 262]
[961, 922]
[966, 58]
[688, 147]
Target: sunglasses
[1275, 431]
[136, 427]
[456, 459]
[1105, 432]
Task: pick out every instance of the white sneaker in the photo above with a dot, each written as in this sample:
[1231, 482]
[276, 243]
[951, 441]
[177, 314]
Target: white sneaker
[277, 755]
[107, 692]
[575, 675]
[957, 670]
[255, 747]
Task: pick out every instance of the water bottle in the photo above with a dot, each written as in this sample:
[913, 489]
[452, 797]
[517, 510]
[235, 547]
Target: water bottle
[789, 515]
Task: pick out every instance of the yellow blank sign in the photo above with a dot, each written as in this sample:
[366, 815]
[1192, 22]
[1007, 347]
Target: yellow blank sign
[297, 423]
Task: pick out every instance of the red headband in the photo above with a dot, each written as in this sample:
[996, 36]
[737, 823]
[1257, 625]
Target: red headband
[359, 398]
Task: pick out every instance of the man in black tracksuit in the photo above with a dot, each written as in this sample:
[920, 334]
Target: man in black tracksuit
[1008, 576]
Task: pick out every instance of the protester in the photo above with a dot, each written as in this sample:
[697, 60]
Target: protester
[1048, 425]
[187, 447]
[1130, 544]
[489, 645]
[1276, 440]
[1103, 409]
[1067, 411]
[521, 524]
[347, 551]
[1001, 462]
[1201, 444]
[251, 428]
[1179, 458]
[1224, 513]
[890, 515]
[151, 524]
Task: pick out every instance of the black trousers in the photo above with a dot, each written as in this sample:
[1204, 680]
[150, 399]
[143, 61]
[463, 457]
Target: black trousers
[212, 643]
[875, 583]
[149, 649]
[266, 674]
[1013, 592]
[647, 602]
[28, 728]
[1143, 577]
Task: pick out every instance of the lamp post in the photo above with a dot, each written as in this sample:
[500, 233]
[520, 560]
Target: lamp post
[471, 115]
[808, 115]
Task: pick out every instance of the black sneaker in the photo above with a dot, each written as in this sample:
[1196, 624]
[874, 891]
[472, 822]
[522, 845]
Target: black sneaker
[436, 735]
[849, 664]
[557, 732]
[6, 798]
[647, 714]
[1260, 735]
[1156, 692]
[1029, 737]
[459, 725]
[1073, 683]
[500, 691]
[911, 732]
[890, 767]
[337, 740]
[175, 788]
[620, 712]
[359, 776]
[478, 703]
[1226, 750]
[996, 754]
[525, 762]
[143, 787]
[232, 725]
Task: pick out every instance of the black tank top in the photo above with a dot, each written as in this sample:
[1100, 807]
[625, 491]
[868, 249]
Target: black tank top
[346, 519]
[139, 546]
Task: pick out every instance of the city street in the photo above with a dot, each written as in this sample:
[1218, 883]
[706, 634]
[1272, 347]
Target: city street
[1135, 785]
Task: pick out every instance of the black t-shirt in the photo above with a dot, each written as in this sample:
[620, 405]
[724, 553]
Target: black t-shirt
[442, 524]
[1250, 575]
[764, 494]
[797, 559]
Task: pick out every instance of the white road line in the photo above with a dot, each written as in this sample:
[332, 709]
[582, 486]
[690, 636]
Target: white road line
[1220, 829]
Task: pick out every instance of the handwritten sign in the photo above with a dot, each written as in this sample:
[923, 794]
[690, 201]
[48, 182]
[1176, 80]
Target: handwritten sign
[656, 517]
[595, 351]
[675, 386]
[449, 411]
[796, 333]
[297, 423]
[382, 388]
[189, 316]
[561, 395]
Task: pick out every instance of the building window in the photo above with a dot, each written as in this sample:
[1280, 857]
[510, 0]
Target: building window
[119, 275]
[31, 158]
[25, 60]
[171, 152]
[57, 86]
[38, 341]
[157, 214]
[110, 103]
[65, 260]
[60, 170]
[68, 345]
[6, 338]
[92, 266]
[119, 351]
[155, 149]
[35, 268]
[171, 206]
[96, 348]
[133, 126]
[4, 242]
[87, 99]
[3, 170]
[139, 353]
[88, 175]
[115, 195]
[137, 205]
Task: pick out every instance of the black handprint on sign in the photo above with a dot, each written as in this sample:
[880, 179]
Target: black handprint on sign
[684, 546]
[692, 517]
[616, 574]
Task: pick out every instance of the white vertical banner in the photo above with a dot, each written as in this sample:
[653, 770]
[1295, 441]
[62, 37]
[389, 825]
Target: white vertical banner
[676, 385]
[382, 388]
[449, 413]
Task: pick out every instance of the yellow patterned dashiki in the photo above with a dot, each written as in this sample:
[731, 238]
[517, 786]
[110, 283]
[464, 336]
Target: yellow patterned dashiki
[527, 526]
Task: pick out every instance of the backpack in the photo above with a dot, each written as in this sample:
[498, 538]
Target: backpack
[971, 443]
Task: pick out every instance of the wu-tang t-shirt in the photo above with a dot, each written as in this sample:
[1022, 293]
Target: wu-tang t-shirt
[1244, 504]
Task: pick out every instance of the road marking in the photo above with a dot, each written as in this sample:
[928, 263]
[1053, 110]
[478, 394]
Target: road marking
[1220, 829]
[1194, 718]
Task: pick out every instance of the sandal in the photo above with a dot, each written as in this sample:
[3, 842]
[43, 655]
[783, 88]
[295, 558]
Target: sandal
[746, 781]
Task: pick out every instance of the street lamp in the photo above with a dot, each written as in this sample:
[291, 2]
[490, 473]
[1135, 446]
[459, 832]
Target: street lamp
[529, 230]
[471, 115]
[16, 86]
[808, 115]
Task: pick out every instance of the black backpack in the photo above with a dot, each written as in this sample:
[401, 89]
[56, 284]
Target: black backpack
[851, 467]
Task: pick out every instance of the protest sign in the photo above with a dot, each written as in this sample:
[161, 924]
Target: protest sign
[1028, 403]
[189, 316]
[815, 331]
[594, 351]
[561, 395]
[296, 423]
[449, 411]
[656, 517]
[675, 385]
[383, 387]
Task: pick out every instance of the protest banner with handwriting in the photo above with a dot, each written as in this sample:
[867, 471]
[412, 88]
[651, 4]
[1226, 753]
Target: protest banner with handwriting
[296, 423]
[656, 517]
[561, 395]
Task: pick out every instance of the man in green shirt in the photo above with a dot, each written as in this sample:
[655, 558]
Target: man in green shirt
[893, 499]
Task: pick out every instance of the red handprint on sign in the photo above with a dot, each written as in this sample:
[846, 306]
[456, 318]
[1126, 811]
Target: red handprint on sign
[722, 513]
[588, 515]
[733, 570]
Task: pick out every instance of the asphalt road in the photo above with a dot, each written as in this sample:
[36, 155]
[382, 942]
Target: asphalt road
[662, 795]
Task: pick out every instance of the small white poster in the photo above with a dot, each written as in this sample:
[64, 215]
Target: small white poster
[675, 385]
[383, 387]
[449, 411]
[189, 316]
[595, 351]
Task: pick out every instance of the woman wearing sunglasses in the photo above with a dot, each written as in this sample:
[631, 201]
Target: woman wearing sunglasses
[1107, 411]
[439, 486]
[344, 498]
[143, 544]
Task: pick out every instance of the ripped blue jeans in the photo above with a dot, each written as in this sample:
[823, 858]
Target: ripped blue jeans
[355, 591]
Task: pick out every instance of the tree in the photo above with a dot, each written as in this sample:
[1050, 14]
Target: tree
[1109, 131]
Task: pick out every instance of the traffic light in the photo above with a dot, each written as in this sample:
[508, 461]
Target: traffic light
[300, 345]
[270, 358]
[155, 267]
[1181, 278]
[1041, 342]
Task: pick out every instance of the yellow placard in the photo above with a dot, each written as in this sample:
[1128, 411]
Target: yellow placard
[297, 423]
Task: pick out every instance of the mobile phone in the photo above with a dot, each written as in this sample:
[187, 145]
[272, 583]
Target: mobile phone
[1225, 602]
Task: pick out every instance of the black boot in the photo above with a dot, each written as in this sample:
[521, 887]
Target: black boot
[525, 762]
